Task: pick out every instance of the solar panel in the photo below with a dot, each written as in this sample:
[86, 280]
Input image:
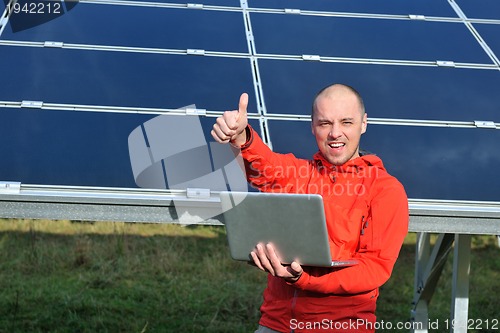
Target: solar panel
[75, 86]
[93, 77]
[73, 148]
[146, 27]
[484, 9]
[490, 33]
[369, 38]
[428, 92]
[433, 162]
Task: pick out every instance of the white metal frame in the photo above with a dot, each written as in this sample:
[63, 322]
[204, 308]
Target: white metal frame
[454, 221]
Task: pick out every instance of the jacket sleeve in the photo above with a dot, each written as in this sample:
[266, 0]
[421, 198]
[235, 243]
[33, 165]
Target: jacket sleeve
[269, 171]
[378, 250]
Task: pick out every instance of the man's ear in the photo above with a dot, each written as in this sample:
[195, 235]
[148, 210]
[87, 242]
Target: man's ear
[364, 123]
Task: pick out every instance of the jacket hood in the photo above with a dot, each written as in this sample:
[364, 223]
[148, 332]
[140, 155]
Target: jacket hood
[353, 166]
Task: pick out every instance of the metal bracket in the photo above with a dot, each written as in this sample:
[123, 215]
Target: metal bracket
[196, 112]
[198, 193]
[250, 36]
[194, 5]
[416, 17]
[485, 124]
[10, 187]
[445, 63]
[195, 52]
[53, 44]
[32, 104]
[292, 11]
[311, 57]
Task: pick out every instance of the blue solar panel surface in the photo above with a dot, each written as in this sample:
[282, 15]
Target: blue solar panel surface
[432, 162]
[151, 28]
[427, 93]
[480, 9]
[491, 35]
[58, 75]
[75, 86]
[365, 38]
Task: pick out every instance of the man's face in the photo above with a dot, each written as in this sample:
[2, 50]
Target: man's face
[337, 125]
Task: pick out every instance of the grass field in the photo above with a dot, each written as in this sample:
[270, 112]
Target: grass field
[63, 276]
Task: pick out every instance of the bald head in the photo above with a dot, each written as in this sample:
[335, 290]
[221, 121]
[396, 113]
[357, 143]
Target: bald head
[339, 91]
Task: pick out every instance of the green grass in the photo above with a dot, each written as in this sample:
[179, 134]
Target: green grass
[62, 276]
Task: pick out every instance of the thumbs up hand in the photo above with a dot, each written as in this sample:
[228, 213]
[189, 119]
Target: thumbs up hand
[230, 127]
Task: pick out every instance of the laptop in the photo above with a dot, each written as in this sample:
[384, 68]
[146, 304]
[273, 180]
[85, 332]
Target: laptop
[294, 223]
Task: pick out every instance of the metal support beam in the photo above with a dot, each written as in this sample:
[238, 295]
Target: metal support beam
[428, 269]
[420, 313]
[460, 286]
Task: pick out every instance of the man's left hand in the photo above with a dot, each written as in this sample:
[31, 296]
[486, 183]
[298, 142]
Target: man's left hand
[266, 259]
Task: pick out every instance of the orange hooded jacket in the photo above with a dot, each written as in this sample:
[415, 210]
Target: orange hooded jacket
[367, 219]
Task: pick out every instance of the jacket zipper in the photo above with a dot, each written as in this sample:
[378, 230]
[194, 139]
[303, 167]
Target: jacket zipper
[364, 225]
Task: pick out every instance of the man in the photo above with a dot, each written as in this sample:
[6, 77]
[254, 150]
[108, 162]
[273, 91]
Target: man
[366, 211]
